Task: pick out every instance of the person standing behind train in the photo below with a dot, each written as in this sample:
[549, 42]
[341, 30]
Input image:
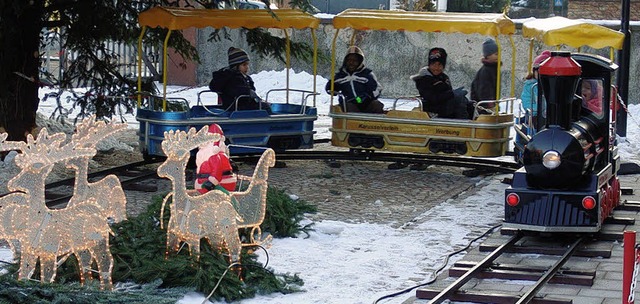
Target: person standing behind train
[530, 89]
[357, 84]
[435, 88]
[483, 86]
[233, 81]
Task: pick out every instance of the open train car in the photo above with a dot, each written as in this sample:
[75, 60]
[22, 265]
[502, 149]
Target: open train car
[556, 32]
[288, 126]
[569, 180]
[415, 130]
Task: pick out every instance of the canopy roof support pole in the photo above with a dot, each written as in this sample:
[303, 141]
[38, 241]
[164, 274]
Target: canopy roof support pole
[513, 66]
[333, 63]
[315, 65]
[288, 51]
[164, 70]
[140, 65]
[498, 78]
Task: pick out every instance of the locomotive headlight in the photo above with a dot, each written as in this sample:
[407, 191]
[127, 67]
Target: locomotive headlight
[551, 159]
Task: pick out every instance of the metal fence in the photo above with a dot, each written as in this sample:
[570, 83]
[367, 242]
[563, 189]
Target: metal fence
[55, 58]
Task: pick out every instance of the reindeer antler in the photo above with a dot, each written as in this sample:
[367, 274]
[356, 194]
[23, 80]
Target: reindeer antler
[46, 149]
[180, 142]
[11, 145]
[89, 132]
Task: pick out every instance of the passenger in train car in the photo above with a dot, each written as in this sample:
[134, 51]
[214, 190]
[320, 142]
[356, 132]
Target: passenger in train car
[530, 89]
[591, 91]
[435, 89]
[483, 86]
[357, 84]
[214, 169]
[233, 81]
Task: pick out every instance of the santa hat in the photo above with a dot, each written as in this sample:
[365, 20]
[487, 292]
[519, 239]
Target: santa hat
[215, 129]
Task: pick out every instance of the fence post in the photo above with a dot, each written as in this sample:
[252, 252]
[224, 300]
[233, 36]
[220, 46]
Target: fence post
[628, 264]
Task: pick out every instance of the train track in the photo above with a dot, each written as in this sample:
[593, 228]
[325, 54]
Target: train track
[58, 193]
[482, 164]
[489, 269]
[131, 175]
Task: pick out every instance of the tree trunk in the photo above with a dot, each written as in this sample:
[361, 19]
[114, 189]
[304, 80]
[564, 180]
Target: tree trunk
[20, 26]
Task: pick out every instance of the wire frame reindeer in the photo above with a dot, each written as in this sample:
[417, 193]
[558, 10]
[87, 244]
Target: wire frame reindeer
[211, 215]
[108, 191]
[47, 235]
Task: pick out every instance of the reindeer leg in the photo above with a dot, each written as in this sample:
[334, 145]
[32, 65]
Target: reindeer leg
[27, 265]
[84, 260]
[104, 262]
[172, 244]
[48, 267]
[234, 246]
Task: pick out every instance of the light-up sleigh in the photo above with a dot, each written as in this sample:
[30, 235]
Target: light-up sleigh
[215, 216]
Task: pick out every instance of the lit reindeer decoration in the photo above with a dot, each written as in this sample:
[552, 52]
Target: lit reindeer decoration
[107, 191]
[193, 217]
[51, 235]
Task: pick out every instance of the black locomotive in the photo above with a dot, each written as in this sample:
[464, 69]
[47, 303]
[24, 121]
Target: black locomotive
[569, 179]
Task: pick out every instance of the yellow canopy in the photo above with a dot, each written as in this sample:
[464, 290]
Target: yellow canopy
[574, 33]
[466, 23]
[175, 18]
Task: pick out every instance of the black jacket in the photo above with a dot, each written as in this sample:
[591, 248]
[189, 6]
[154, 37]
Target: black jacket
[436, 91]
[483, 86]
[229, 84]
[362, 83]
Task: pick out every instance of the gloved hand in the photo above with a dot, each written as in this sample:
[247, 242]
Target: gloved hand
[460, 91]
[255, 96]
[208, 185]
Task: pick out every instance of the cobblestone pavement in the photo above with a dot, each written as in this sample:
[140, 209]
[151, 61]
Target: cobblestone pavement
[368, 191]
[358, 191]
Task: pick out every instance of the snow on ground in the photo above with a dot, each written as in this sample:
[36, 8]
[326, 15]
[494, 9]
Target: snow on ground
[359, 263]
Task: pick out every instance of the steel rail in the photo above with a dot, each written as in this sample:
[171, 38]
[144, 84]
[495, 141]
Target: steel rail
[531, 293]
[444, 294]
[466, 162]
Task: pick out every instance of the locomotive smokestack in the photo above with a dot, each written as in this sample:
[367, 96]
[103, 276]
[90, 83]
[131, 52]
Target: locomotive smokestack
[559, 77]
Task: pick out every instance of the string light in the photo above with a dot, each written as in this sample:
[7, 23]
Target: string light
[81, 228]
[211, 215]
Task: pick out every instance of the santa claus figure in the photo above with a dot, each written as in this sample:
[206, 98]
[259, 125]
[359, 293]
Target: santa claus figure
[214, 169]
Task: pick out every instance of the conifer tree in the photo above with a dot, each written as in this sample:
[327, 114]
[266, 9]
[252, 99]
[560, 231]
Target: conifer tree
[84, 27]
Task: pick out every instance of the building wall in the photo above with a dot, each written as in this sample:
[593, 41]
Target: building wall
[394, 56]
[601, 9]
[337, 6]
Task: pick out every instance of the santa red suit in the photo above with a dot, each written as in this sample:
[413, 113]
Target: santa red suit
[213, 166]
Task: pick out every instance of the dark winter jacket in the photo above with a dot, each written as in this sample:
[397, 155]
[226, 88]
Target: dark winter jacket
[229, 83]
[361, 83]
[436, 91]
[483, 86]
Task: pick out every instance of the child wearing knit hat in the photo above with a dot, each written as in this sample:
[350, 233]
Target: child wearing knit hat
[483, 86]
[435, 88]
[234, 86]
